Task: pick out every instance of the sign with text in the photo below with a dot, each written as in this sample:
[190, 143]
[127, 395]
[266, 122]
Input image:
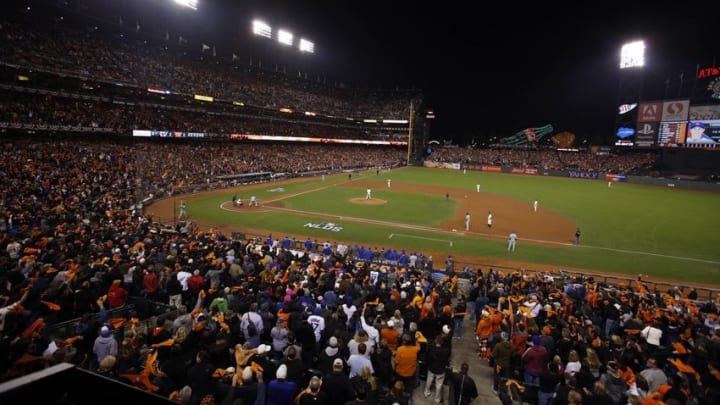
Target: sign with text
[650, 112]
[675, 110]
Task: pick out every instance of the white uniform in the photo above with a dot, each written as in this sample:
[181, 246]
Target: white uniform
[388, 183]
[477, 187]
[467, 221]
[253, 201]
[535, 204]
[368, 194]
[183, 209]
[489, 221]
[512, 239]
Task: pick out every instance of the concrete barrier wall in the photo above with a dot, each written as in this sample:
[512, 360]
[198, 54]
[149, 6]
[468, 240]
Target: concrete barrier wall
[673, 183]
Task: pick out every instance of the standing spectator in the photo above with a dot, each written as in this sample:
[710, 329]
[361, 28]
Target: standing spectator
[406, 361]
[279, 335]
[337, 383]
[438, 359]
[151, 284]
[318, 325]
[281, 391]
[327, 356]
[397, 394]
[654, 376]
[199, 377]
[116, 295]
[652, 335]
[313, 394]
[549, 380]
[464, 388]
[459, 316]
[294, 365]
[533, 360]
[252, 317]
[357, 361]
[502, 355]
[247, 389]
[382, 363]
[390, 335]
[483, 332]
[614, 383]
[105, 345]
[174, 291]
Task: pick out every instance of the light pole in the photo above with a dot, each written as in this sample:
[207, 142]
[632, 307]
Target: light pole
[630, 85]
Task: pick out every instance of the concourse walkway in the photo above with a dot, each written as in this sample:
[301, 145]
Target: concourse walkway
[464, 350]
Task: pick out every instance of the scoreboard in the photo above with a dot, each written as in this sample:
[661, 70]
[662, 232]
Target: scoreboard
[672, 133]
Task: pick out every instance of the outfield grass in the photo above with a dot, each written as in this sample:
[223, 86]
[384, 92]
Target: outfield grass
[666, 232]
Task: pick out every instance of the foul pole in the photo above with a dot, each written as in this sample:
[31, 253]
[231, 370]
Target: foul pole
[410, 131]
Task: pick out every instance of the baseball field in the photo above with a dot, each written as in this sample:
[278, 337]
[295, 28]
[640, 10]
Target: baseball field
[666, 233]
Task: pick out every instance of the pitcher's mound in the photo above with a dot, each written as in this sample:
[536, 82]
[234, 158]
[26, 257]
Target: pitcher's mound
[365, 201]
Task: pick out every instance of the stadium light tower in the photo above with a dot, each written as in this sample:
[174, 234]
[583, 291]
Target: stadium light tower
[262, 29]
[632, 55]
[187, 3]
[632, 61]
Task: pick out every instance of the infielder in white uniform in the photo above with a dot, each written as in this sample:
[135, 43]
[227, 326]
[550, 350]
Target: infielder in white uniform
[512, 239]
[368, 194]
[535, 205]
[489, 221]
[467, 221]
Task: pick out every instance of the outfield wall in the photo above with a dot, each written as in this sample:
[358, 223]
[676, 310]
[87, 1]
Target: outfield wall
[673, 183]
[583, 174]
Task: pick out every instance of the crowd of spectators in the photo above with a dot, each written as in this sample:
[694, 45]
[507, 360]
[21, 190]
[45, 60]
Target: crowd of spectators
[98, 55]
[39, 107]
[548, 159]
[73, 247]
[551, 340]
[261, 321]
[252, 316]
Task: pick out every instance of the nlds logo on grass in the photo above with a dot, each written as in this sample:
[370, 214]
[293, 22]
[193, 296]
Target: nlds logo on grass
[327, 226]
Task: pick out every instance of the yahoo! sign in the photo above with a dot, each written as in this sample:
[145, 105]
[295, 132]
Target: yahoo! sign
[577, 174]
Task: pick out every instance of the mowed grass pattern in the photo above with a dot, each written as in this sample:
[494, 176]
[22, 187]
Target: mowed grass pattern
[628, 228]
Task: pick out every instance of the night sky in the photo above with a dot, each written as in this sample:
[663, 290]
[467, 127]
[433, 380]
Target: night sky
[494, 72]
[486, 70]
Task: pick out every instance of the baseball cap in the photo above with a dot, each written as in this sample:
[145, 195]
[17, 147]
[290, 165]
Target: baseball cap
[281, 373]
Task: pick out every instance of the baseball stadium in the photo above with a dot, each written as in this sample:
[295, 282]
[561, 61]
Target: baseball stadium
[186, 224]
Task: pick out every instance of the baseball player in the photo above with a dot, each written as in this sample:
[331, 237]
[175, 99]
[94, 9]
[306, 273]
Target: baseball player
[489, 219]
[535, 205]
[467, 221]
[512, 239]
[368, 194]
